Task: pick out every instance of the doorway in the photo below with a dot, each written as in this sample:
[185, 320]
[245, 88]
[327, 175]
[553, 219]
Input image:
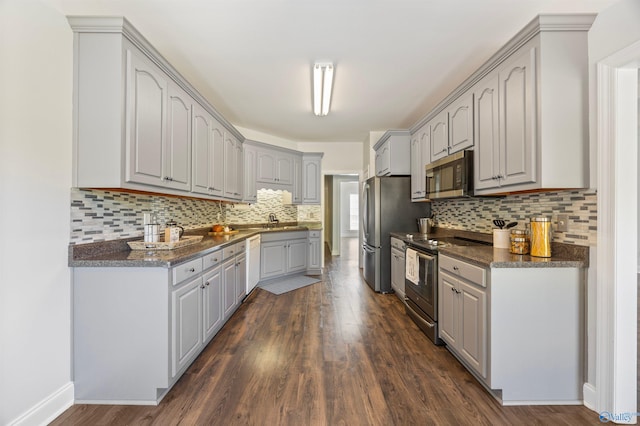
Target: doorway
[341, 213]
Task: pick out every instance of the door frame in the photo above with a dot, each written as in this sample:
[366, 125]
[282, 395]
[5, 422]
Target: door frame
[616, 293]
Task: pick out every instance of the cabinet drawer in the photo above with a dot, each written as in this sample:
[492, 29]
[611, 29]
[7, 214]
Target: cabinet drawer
[187, 270]
[211, 259]
[397, 244]
[229, 251]
[459, 268]
[314, 234]
[241, 246]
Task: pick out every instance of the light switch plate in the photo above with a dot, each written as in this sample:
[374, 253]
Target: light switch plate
[563, 223]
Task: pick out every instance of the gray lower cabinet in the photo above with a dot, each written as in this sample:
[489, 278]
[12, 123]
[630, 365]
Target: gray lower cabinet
[187, 324]
[137, 329]
[519, 331]
[397, 267]
[314, 261]
[283, 253]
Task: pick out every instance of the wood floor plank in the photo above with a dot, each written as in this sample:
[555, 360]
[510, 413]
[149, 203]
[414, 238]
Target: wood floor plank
[332, 353]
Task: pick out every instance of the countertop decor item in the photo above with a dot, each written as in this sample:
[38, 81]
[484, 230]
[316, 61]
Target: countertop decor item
[501, 238]
[541, 234]
[162, 245]
[499, 223]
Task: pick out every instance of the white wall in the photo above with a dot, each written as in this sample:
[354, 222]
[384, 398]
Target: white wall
[339, 157]
[266, 138]
[35, 177]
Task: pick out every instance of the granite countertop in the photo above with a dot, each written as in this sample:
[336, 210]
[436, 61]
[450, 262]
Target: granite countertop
[118, 254]
[563, 255]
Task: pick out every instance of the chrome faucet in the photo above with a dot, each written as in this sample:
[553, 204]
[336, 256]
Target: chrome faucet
[273, 220]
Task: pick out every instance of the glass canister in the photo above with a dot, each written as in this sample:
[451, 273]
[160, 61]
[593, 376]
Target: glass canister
[519, 241]
[541, 235]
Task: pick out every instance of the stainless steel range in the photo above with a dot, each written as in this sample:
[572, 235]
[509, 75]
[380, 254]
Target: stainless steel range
[421, 296]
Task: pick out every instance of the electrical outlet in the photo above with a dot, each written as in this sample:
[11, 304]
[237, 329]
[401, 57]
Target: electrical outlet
[563, 223]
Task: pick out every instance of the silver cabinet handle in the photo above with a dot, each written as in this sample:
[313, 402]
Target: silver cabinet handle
[191, 270]
[207, 283]
[202, 287]
[455, 268]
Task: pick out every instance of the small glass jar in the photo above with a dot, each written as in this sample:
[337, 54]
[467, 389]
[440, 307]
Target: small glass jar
[541, 234]
[519, 245]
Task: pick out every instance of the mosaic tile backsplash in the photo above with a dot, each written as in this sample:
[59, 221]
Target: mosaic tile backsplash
[109, 215]
[98, 215]
[477, 214]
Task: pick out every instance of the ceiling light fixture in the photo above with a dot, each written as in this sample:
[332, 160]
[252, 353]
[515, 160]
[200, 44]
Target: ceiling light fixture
[322, 84]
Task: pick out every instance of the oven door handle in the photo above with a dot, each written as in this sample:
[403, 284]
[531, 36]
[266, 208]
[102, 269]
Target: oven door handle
[425, 256]
[416, 315]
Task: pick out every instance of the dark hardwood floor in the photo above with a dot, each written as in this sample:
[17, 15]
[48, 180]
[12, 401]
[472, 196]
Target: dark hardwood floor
[333, 353]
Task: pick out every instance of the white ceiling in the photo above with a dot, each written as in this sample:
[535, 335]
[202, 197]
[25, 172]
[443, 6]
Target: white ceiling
[395, 59]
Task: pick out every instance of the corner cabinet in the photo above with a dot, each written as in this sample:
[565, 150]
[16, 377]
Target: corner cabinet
[283, 253]
[277, 168]
[490, 319]
[138, 124]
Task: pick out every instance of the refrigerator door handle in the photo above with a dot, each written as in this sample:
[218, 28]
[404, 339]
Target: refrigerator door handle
[368, 249]
[365, 210]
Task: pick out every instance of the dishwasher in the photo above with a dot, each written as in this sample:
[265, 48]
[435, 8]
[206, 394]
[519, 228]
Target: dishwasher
[253, 262]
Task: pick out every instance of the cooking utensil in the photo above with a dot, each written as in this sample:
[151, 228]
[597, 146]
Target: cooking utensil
[499, 223]
[510, 225]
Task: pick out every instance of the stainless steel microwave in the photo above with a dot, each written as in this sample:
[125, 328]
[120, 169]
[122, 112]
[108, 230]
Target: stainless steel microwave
[450, 177]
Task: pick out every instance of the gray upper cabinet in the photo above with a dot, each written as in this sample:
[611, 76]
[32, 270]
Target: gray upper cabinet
[461, 123]
[274, 167]
[439, 136]
[420, 157]
[392, 153]
[232, 167]
[311, 177]
[250, 192]
[159, 127]
[138, 124]
[541, 140]
[527, 107]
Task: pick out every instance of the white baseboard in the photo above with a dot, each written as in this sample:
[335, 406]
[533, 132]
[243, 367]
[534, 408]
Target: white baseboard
[589, 395]
[48, 409]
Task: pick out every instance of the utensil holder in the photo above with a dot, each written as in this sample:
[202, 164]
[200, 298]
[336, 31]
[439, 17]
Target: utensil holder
[501, 238]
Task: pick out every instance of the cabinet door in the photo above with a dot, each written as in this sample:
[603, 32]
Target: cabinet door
[187, 319]
[250, 193]
[417, 169]
[296, 194]
[312, 172]
[239, 169]
[212, 303]
[272, 259]
[487, 141]
[397, 271]
[216, 170]
[266, 167]
[517, 91]
[178, 146]
[383, 160]
[447, 306]
[314, 260]
[472, 320]
[229, 286]
[202, 150]
[439, 136]
[297, 255]
[284, 169]
[241, 277]
[230, 176]
[146, 121]
[461, 124]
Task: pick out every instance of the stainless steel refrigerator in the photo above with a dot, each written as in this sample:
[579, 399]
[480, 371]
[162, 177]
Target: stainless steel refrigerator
[387, 208]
